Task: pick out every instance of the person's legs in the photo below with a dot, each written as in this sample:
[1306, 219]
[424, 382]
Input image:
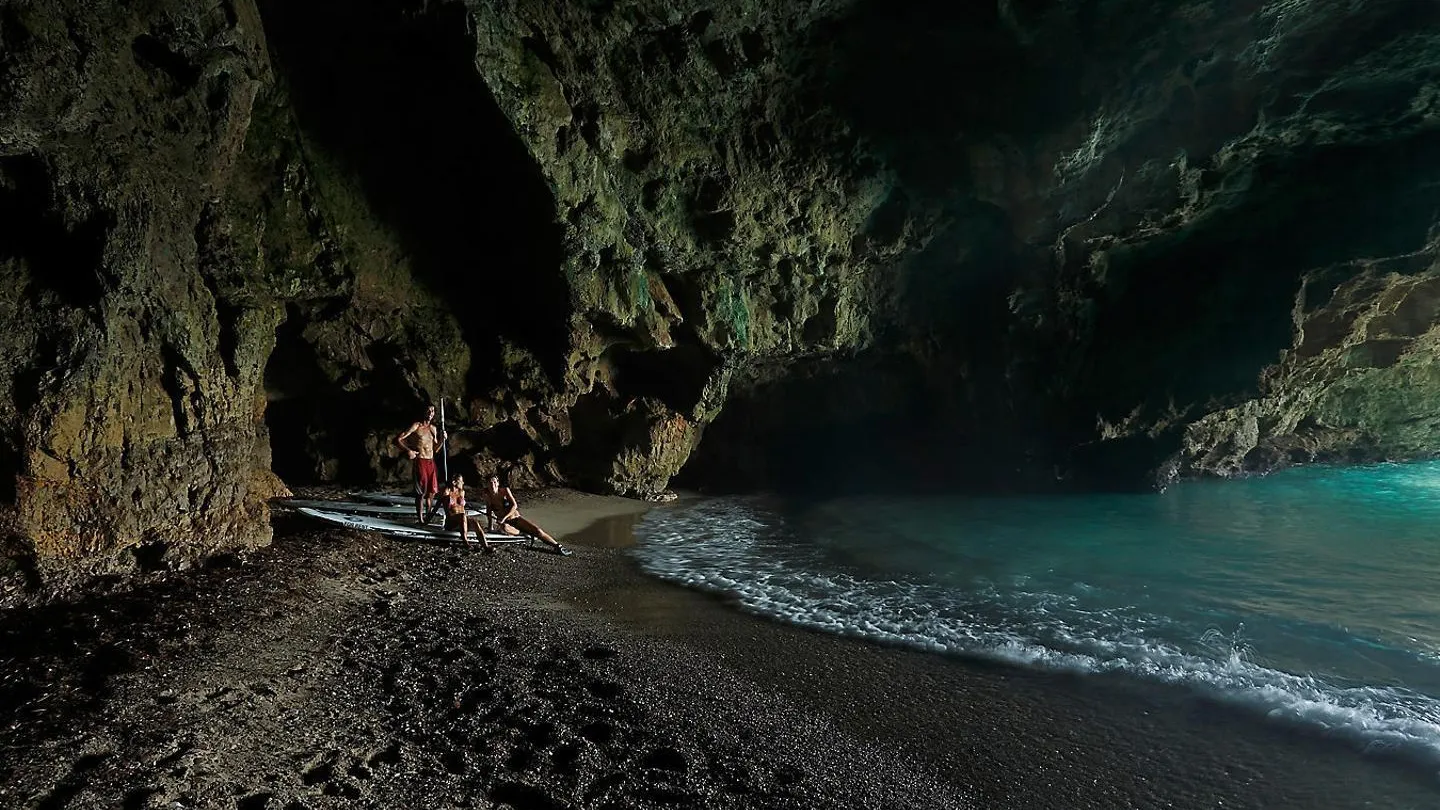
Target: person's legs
[429, 485]
[480, 530]
[458, 523]
[528, 527]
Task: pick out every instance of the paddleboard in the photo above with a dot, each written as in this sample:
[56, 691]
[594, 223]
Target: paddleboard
[413, 531]
[386, 498]
[358, 508]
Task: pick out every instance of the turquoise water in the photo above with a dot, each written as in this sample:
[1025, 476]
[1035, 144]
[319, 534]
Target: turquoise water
[1311, 596]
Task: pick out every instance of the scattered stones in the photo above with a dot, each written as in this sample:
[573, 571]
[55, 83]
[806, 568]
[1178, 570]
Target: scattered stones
[428, 715]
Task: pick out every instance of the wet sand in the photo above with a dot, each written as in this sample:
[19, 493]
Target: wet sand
[341, 669]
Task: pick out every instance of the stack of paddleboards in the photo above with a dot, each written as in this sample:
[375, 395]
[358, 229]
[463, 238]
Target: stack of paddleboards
[391, 515]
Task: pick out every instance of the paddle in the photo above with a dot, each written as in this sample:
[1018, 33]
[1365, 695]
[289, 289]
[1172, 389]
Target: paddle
[444, 455]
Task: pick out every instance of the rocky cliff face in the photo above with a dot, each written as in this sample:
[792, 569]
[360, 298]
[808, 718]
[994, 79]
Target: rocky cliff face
[167, 224]
[964, 243]
[128, 407]
[1066, 239]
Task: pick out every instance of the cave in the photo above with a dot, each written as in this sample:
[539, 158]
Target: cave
[1202, 313]
[292, 405]
[867, 425]
[676, 377]
[391, 90]
[316, 430]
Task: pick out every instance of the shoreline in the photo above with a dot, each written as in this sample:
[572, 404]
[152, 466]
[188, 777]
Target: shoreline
[343, 669]
[1188, 749]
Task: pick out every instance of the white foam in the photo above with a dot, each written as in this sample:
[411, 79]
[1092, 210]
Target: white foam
[725, 547]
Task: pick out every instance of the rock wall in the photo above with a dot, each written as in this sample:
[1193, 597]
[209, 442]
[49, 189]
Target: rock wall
[1361, 381]
[714, 231]
[1231, 160]
[164, 217]
[128, 406]
[1069, 230]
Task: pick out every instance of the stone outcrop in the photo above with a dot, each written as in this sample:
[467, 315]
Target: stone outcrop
[162, 221]
[1087, 239]
[1243, 162]
[1011, 243]
[1360, 383]
[128, 407]
[712, 225]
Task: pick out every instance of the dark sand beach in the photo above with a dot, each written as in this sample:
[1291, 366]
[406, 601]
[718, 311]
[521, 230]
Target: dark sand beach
[343, 669]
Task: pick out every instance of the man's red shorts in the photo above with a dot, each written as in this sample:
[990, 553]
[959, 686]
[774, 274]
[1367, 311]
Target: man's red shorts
[427, 482]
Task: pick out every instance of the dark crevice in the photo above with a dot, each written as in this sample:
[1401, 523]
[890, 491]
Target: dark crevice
[719, 56]
[586, 118]
[227, 315]
[173, 365]
[650, 194]
[393, 93]
[598, 434]
[229, 337]
[316, 428]
[152, 52]
[9, 469]
[709, 217]
[666, 49]
[676, 377]
[150, 556]
[700, 22]
[638, 160]
[14, 36]
[538, 45]
[63, 258]
[753, 47]
[887, 222]
[505, 440]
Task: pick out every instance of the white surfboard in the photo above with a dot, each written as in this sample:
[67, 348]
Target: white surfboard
[358, 508]
[386, 498]
[413, 531]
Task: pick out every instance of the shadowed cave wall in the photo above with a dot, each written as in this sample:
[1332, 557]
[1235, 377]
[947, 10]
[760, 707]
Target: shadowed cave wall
[1136, 229]
[389, 92]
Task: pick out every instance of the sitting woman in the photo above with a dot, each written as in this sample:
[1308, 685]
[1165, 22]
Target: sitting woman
[504, 512]
[456, 518]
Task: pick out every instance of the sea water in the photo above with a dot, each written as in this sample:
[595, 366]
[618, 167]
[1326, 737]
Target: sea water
[1311, 596]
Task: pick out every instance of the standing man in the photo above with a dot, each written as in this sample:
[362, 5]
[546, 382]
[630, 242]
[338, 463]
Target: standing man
[427, 481]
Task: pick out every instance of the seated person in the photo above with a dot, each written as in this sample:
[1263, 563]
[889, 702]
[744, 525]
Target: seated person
[504, 514]
[456, 518]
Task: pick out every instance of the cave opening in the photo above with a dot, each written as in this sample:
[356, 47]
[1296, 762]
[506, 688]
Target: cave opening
[391, 90]
[1202, 313]
[676, 377]
[316, 430]
[858, 426]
